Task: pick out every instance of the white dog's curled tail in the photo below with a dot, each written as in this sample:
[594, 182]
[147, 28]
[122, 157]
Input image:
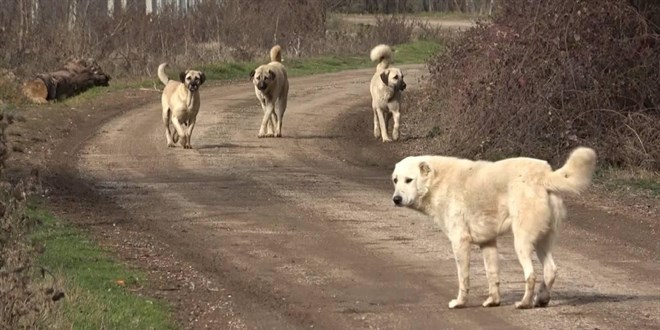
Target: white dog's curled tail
[276, 54]
[575, 176]
[161, 73]
[382, 54]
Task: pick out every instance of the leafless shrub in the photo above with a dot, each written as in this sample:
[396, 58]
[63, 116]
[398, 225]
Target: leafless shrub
[545, 77]
[23, 301]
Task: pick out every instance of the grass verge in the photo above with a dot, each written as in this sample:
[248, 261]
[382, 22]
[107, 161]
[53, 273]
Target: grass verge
[94, 297]
[415, 52]
[637, 182]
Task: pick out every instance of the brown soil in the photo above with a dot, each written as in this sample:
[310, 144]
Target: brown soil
[296, 232]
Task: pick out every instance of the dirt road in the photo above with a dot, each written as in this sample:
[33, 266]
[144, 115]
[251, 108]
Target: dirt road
[300, 232]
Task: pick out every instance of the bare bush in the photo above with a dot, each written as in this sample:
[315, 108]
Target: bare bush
[23, 301]
[130, 42]
[545, 77]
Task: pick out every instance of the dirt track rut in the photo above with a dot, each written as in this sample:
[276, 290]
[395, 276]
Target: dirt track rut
[295, 232]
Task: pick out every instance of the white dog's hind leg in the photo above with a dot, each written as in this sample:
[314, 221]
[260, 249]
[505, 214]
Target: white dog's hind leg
[270, 129]
[489, 250]
[461, 247]
[543, 249]
[524, 249]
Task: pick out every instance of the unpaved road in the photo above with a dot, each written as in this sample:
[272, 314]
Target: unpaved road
[300, 232]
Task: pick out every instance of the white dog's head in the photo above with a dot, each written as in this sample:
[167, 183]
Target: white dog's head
[192, 79]
[393, 78]
[411, 178]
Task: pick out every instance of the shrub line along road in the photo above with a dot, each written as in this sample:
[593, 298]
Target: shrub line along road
[298, 232]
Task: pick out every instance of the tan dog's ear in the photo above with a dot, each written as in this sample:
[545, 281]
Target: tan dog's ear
[271, 75]
[424, 168]
[383, 77]
[182, 76]
[252, 74]
[202, 78]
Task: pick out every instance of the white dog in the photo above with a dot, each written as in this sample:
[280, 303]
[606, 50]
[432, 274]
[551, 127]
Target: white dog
[476, 201]
[386, 87]
[180, 101]
[271, 85]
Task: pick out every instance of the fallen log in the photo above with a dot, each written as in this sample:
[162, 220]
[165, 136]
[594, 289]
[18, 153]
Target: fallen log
[76, 76]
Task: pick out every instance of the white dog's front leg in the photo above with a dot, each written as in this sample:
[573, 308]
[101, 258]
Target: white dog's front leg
[166, 123]
[268, 112]
[461, 247]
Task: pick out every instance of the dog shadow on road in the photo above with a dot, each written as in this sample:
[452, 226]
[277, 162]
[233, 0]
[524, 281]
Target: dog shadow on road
[579, 298]
[227, 146]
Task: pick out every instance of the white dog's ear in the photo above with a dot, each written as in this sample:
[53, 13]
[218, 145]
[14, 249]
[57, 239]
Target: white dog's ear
[424, 168]
[182, 76]
[252, 74]
[202, 78]
[271, 75]
[383, 76]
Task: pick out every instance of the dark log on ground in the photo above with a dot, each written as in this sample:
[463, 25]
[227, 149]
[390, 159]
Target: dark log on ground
[76, 76]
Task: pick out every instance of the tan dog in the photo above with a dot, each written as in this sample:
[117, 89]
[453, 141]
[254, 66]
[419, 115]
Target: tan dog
[271, 85]
[181, 102]
[386, 87]
[476, 201]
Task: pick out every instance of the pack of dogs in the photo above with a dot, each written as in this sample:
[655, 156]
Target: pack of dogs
[473, 202]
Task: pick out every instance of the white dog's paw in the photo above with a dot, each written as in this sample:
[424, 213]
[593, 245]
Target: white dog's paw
[542, 299]
[387, 140]
[454, 303]
[490, 302]
[523, 305]
[171, 145]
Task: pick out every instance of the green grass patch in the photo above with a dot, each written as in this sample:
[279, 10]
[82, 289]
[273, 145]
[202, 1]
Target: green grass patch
[409, 53]
[636, 181]
[447, 15]
[93, 300]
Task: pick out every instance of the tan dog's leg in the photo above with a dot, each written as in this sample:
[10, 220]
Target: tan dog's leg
[394, 109]
[543, 248]
[376, 127]
[268, 112]
[179, 130]
[166, 122]
[383, 126]
[279, 112]
[460, 243]
[489, 250]
[191, 126]
[524, 249]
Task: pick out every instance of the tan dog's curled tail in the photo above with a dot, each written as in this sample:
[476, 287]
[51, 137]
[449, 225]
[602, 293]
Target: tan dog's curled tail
[382, 54]
[575, 176]
[161, 73]
[276, 54]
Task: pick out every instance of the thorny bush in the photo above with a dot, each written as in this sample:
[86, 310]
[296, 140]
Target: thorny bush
[546, 76]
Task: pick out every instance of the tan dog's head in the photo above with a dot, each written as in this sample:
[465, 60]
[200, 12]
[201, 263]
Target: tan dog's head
[411, 179]
[393, 78]
[192, 79]
[262, 77]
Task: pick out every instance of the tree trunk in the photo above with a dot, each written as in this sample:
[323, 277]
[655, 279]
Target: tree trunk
[76, 76]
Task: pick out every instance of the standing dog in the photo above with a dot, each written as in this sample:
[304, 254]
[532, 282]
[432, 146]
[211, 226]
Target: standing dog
[386, 87]
[271, 85]
[477, 201]
[181, 102]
